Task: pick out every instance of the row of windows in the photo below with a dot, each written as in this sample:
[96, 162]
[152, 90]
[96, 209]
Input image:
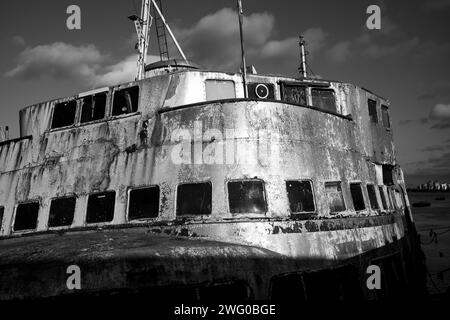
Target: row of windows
[195, 199]
[373, 113]
[322, 98]
[93, 107]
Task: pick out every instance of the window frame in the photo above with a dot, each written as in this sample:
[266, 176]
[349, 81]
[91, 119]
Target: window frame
[376, 111]
[300, 213]
[329, 89]
[359, 183]
[342, 194]
[131, 189]
[76, 117]
[13, 229]
[247, 214]
[218, 80]
[68, 196]
[192, 216]
[2, 215]
[80, 107]
[385, 108]
[376, 197]
[111, 102]
[87, 208]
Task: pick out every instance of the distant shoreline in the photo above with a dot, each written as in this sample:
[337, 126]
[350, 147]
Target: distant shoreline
[428, 191]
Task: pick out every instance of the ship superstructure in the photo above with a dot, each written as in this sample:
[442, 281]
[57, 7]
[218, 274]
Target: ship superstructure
[190, 179]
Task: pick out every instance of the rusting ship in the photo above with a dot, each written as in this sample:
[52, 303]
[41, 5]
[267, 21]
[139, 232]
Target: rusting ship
[202, 185]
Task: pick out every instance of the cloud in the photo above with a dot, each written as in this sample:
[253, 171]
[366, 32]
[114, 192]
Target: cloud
[18, 41]
[214, 40]
[440, 112]
[438, 90]
[57, 60]
[120, 72]
[83, 64]
[339, 52]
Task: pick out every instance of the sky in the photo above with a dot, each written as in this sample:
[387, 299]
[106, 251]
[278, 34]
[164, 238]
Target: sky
[406, 61]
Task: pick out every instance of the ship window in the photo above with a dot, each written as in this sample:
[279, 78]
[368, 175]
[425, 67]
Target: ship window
[385, 116]
[287, 288]
[247, 196]
[388, 174]
[26, 216]
[293, 93]
[335, 197]
[357, 196]
[220, 89]
[93, 108]
[126, 101]
[62, 211]
[144, 203]
[2, 211]
[383, 198]
[64, 114]
[323, 99]
[372, 104]
[300, 196]
[194, 199]
[372, 197]
[261, 91]
[101, 207]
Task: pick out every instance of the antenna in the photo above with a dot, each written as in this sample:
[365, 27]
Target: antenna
[143, 24]
[302, 68]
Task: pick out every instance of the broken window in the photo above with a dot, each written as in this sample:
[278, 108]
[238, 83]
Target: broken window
[220, 89]
[300, 196]
[101, 207]
[357, 196]
[323, 99]
[372, 104]
[372, 197]
[194, 199]
[383, 197]
[335, 197]
[62, 211]
[64, 114]
[126, 101]
[93, 108]
[287, 288]
[385, 116]
[293, 93]
[26, 216]
[247, 196]
[144, 203]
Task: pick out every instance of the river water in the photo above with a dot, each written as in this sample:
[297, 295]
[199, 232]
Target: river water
[436, 248]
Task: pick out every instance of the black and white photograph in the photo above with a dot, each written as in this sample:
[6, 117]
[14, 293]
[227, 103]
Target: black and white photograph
[225, 159]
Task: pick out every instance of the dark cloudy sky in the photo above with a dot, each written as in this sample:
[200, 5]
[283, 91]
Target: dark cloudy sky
[407, 61]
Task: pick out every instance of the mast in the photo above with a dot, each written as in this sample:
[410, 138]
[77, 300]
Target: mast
[302, 68]
[143, 24]
[244, 66]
